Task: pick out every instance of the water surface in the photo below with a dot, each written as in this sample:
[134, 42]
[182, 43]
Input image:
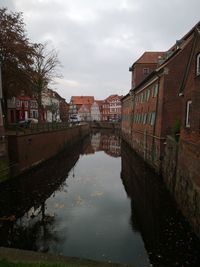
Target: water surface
[98, 201]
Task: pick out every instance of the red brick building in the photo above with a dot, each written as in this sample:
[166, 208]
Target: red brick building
[109, 108]
[112, 108]
[127, 115]
[187, 180]
[21, 107]
[105, 110]
[81, 105]
[154, 103]
[142, 67]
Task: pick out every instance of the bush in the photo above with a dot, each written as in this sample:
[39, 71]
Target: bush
[176, 129]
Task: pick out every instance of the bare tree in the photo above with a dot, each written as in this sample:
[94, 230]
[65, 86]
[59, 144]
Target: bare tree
[43, 71]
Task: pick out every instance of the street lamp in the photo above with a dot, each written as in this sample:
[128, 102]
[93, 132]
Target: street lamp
[1, 95]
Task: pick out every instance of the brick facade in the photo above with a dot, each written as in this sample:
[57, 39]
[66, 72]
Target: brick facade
[187, 186]
[157, 107]
[167, 103]
[145, 65]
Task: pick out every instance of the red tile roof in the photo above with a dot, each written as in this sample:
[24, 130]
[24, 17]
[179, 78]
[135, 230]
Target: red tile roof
[99, 102]
[149, 57]
[82, 100]
[23, 97]
[111, 97]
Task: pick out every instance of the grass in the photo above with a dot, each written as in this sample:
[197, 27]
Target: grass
[5, 263]
[10, 257]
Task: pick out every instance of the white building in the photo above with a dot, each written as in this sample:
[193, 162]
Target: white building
[84, 113]
[51, 106]
[95, 112]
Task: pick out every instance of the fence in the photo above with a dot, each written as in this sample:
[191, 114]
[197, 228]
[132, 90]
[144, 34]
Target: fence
[17, 129]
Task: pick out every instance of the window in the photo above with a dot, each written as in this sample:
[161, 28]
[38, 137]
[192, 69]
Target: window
[188, 114]
[146, 71]
[155, 90]
[26, 104]
[145, 118]
[153, 116]
[198, 65]
[148, 94]
[149, 117]
[18, 103]
[145, 96]
[142, 97]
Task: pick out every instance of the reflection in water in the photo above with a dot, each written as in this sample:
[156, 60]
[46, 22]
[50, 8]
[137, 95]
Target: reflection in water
[83, 212]
[4, 163]
[167, 237]
[22, 201]
[4, 168]
[76, 205]
[109, 143]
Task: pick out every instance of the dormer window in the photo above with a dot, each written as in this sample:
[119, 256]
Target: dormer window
[198, 65]
[146, 71]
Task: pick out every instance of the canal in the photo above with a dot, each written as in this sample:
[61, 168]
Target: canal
[99, 201]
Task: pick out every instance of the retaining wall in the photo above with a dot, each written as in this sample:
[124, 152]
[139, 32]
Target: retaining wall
[181, 174]
[31, 149]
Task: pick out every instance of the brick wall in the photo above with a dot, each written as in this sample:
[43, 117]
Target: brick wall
[181, 173]
[31, 149]
[138, 75]
[187, 186]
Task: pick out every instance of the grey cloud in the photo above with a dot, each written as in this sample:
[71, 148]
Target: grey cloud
[98, 40]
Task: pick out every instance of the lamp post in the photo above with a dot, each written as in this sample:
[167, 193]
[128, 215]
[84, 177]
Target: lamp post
[1, 97]
[2, 130]
[0, 82]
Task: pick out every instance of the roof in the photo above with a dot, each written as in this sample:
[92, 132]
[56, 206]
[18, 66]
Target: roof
[195, 37]
[23, 97]
[82, 100]
[149, 57]
[99, 102]
[111, 97]
[175, 49]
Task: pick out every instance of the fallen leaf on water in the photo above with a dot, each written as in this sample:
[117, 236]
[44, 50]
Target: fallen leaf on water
[96, 194]
[59, 206]
[79, 200]
[9, 218]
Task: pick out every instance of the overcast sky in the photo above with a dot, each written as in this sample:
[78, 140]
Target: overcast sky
[98, 40]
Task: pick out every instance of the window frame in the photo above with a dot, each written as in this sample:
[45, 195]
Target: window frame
[146, 71]
[198, 64]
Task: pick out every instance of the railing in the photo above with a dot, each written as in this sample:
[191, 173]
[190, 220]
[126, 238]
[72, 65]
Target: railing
[36, 127]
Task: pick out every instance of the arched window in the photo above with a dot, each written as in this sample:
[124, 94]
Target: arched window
[198, 65]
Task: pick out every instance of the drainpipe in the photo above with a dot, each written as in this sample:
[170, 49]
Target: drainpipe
[132, 93]
[1, 103]
[156, 110]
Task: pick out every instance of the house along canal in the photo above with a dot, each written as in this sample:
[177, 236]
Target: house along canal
[99, 201]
